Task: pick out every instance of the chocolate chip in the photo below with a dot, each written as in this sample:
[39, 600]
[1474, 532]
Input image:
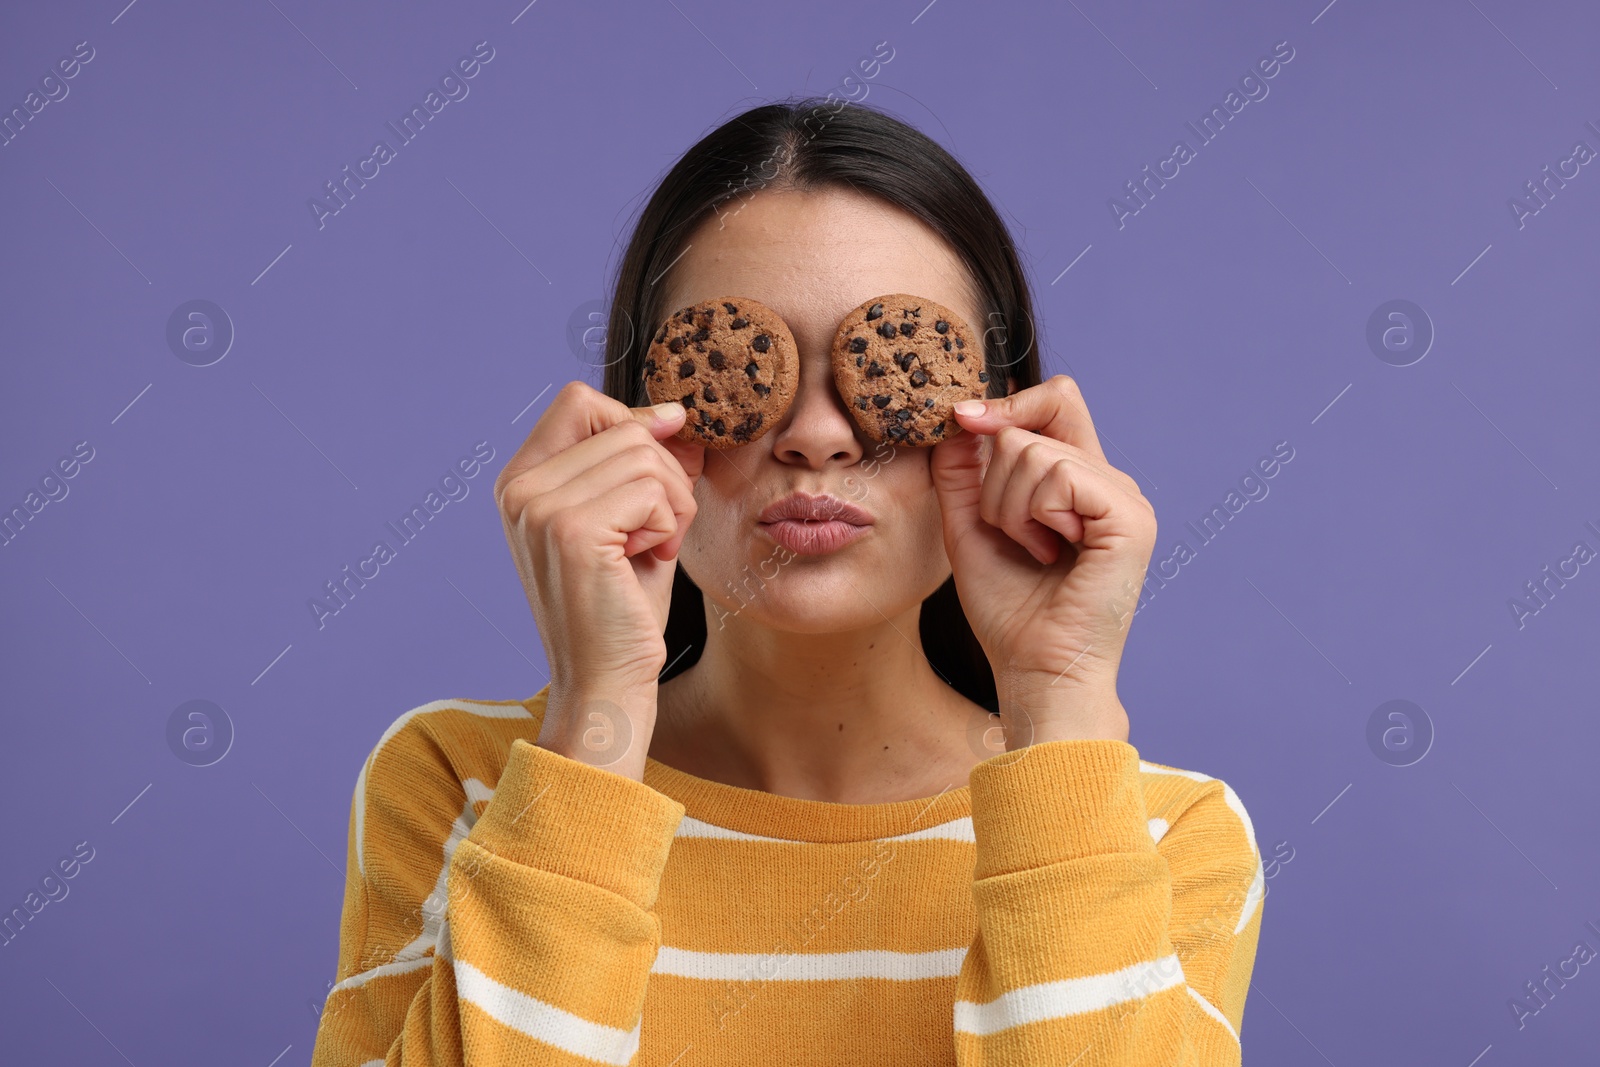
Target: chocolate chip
[662, 335]
[907, 329]
[960, 343]
[887, 330]
[686, 369]
[874, 311]
[858, 344]
[927, 403]
[718, 362]
[738, 324]
[709, 393]
[761, 389]
[875, 370]
[747, 429]
[720, 428]
[731, 309]
[938, 431]
[860, 360]
[880, 401]
[947, 344]
[941, 326]
[688, 317]
[761, 342]
[903, 414]
[676, 345]
[919, 378]
[752, 368]
[903, 359]
[983, 376]
[861, 402]
[649, 366]
[961, 357]
[687, 400]
[699, 335]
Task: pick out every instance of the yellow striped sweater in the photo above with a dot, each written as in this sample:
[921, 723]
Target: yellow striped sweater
[507, 905]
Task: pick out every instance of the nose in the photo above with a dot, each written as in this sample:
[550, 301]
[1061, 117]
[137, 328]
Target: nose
[817, 430]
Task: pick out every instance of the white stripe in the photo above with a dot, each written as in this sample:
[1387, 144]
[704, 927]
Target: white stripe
[1229, 797]
[545, 1022]
[1211, 1010]
[1072, 996]
[355, 981]
[689, 826]
[433, 908]
[1252, 897]
[953, 830]
[488, 711]
[534, 1017]
[1158, 829]
[808, 966]
[443, 949]
[1147, 767]
[1257, 890]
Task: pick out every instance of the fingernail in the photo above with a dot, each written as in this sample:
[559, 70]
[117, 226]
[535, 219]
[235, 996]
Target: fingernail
[970, 407]
[668, 412]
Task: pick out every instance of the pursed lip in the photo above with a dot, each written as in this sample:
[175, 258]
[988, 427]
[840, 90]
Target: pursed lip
[807, 507]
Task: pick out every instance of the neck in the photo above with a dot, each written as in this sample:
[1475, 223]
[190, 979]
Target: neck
[854, 717]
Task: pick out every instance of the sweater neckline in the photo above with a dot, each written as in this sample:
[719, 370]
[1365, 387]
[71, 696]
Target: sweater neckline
[771, 815]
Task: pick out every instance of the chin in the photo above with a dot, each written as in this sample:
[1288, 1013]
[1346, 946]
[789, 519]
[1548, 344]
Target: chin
[813, 595]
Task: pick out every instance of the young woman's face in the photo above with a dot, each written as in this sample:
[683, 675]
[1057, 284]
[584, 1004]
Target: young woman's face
[812, 257]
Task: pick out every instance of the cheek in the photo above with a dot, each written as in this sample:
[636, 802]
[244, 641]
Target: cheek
[901, 494]
[912, 562]
[719, 543]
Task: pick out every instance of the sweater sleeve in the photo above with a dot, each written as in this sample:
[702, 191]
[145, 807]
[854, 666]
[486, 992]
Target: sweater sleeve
[1105, 936]
[528, 941]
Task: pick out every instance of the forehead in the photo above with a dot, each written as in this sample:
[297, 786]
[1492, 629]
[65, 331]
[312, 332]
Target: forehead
[814, 255]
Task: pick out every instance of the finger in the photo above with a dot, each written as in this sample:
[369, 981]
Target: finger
[572, 463]
[1020, 459]
[1033, 463]
[618, 469]
[631, 517]
[532, 471]
[1054, 408]
[691, 455]
[1073, 496]
[957, 468]
[580, 412]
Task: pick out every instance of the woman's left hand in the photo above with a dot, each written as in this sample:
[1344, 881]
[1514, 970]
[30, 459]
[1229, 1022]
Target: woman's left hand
[1049, 544]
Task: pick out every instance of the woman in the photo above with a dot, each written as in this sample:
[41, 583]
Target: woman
[787, 800]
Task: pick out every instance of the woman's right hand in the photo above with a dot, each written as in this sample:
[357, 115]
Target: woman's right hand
[595, 505]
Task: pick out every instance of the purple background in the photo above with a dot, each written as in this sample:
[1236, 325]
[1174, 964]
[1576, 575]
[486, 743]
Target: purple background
[432, 313]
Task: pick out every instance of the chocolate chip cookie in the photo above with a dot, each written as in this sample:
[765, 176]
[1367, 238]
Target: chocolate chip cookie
[733, 364]
[901, 362]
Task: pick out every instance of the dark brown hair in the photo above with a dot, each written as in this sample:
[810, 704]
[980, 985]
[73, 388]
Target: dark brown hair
[811, 144]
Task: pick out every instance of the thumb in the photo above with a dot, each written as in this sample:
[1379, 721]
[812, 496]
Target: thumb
[664, 421]
[958, 465]
[661, 419]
